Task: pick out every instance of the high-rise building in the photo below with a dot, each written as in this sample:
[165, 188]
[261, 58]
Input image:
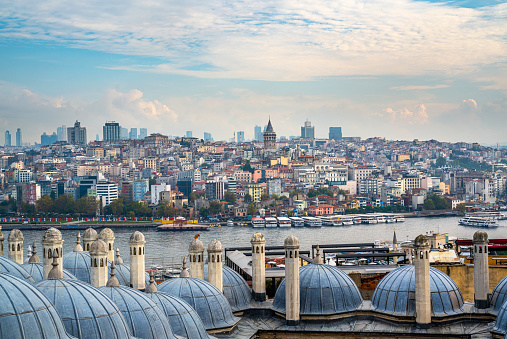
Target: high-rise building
[44, 139]
[207, 137]
[257, 133]
[189, 134]
[53, 138]
[111, 131]
[19, 138]
[143, 133]
[124, 133]
[335, 133]
[269, 137]
[61, 133]
[107, 192]
[133, 133]
[241, 137]
[76, 135]
[8, 139]
[307, 131]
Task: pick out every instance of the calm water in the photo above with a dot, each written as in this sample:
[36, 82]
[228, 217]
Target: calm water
[168, 248]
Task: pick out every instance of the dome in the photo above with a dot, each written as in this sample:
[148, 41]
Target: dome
[26, 312]
[395, 293]
[86, 312]
[499, 295]
[90, 235]
[15, 235]
[123, 275]
[480, 236]
[196, 246]
[291, 241]
[324, 290]
[206, 299]
[236, 290]
[106, 234]
[78, 264]
[500, 326]
[136, 237]
[51, 235]
[215, 246]
[258, 237]
[183, 318]
[146, 320]
[421, 241]
[10, 266]
[36, 270]
[98, 246]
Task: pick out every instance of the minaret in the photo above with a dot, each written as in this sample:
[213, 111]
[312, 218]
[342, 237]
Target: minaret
[395, 248]
[137, 269]
[196, 255]
[98, 266]
[184, 272]
[481, 269]
[152, 287]
[292, 306]
[258, 267]
[215, 264]
[34, 259]
[107, 235]
[52, 242]
[422, 281]
[16, 245]
[1, 242]
[89, 236]
[78, 247]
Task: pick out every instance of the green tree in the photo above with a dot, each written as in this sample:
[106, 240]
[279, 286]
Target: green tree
[230, 197]
[27, 209]
[264, 196]
[461, 207]
[441, 162]
[247, 167]
[429, 204]
[53, 195]
[251, 210]
[203, 212]
[117, 207]
[247, 198]
[214, 207]
[64, 204]
[44, 205]
[293, 193]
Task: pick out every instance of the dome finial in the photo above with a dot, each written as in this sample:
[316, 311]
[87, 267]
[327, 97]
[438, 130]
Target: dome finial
[318, 259]
[151, 288]
[184, 272]
[113, 281]
[55, 273]
[78, 247]
[34, 258]
[118, 260]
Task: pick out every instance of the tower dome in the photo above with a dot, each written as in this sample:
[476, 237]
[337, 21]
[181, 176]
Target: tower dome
[499, 295]
[324, 290]
[26, 312]
[10, 266]
[89, 236]
[395, 293]
[236, 290]
[36, 270]
[52, 234]
[136, 237]
[15, 235]
[206, 299]
[196, 246]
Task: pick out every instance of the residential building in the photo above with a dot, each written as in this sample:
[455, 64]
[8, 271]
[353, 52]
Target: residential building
[139, 189]
[255, 191]
[107, 192]
[215, 189]
[76, 135]
[155, 192]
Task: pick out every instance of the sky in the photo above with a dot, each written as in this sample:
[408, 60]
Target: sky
[399, 69]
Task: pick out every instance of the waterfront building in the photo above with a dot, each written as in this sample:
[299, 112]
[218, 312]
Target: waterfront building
[111, 131]
[76, 135]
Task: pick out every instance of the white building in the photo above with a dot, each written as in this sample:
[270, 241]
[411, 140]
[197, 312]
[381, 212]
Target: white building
[155, 192]
[107, 192]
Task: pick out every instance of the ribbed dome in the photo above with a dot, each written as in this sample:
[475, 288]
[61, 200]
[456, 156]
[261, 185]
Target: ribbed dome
[324, 290]
[98, 246]
[146, 320]
[395, 293]
[15, 235]
[500, 326]
[106, 234]
[206, 299]
[291, 241]
[215, 246]
[86, 312]
[499, 295]
[123, 275]
[258, 237]
[78, 264]
[90, 234]
[236, 290]
[26, 312]
[183, 318]
[10, 266]
[36, 270]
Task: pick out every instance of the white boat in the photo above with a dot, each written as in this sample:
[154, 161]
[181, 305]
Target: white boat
[312, 222]
[390, 219]
[381, 218]
[284, 222]
[399, 218]
[326, 221]
[271, 222]
[297, 221]
[230, 223]
[258, 222]
[478, 222]
[490, 214]
[369, 219]
[337, 223]
[346, 220]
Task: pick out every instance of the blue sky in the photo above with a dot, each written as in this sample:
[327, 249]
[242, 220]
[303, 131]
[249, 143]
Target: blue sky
[398, 69]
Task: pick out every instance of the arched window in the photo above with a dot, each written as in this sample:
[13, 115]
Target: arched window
[140, 252]
[49, 254]
[421, 255]
[262, 249]
[101, 262]
[193, 258]
[295, 254]
[57, 252]
[88, 247]
[426, 252]
[94, 262]
[257, 249]
[134, 251]
[290, 254]
[143, 250]
[480, 249]
[19, 247]
[110, 246]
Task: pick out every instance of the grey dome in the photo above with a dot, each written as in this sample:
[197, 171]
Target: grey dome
[36, 270]
[257, 237]
[10, 266]
[324, 290]
[183, 318]
[98, 246]
[106, 234]
[499, 295]
[26, 312]
[395, 293]
[500, 326]
[291, 241]
[90, 234]
[136, 237]
[146, 320]
[196, 246]
[236, 290]
[206, 299]
[78, 264]
[123, 275]
[86, 312]
[215, 246]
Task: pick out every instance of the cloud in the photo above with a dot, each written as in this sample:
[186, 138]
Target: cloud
[404, 115]
[411, 88]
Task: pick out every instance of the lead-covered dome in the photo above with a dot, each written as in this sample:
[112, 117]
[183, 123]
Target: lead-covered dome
[10, 266]
[136, 237]
[500, 326]
[395, 293]
[36, 270]
[324, 290]
[236, 290]
[26, 312]
[196, 246]
[206, 299]
[499, 295]
[78, 264]
[123, 275]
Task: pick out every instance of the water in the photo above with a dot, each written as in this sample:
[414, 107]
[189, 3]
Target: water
[168, 248]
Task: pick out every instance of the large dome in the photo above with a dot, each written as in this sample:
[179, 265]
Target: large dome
[206, 299]
[499, 295]
[26, 312]
[123, 275]
[500, 326]
[36, 270]
[236, 290]
[146, 320]
[10, 266]
[324, 290]
[86, 312]
[78, 264]
[395, 293]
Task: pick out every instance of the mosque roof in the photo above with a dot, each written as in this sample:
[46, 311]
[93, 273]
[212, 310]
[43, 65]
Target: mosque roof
[78, 264]
[36, 270]
[10, 266]
[395, 293]
[196, 246]
[215, 246]
[324, 290]
[26, 312]
[236, 290]
[123, 275]
[499, 295]
[136, 237]
[500, 326]
[106, 234]
[211, 305]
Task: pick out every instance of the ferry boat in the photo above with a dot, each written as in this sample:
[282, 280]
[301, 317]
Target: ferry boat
[312, 222]
[258, 222]
[327, 221]
[284, 222]
[390, 219]
[346, 220]
[478, 222]
[489, 214]
[297, 221]
[369, 219]
[271, 222]
[381, 218]
[400, 218]
[356, 220]
[230, 223]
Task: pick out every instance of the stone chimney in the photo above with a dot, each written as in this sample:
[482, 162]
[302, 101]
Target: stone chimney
[98, 265]
[16, 245]
[481, 269]
[422, 281]
[292, 296]
[137, 264]
[258, 267]
[52, 242]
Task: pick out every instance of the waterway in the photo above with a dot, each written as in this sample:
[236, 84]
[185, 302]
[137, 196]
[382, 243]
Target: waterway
[168, 248]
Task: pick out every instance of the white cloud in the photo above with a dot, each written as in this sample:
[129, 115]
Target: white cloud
[404, 115]
[421, 87]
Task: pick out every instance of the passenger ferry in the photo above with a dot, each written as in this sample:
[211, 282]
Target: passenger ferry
[400, 218]
[284, 222]
[381, 218]
[312, 222]
[478, 222]
[346, 220]
[326, 221]
[297, 221]
[489, 214]
[230, 223]
[271, 222]
[390, 219]
[369, 219]
[258, 222]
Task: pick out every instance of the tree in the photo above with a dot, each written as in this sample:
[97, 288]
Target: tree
[293, 193]
[230, 197]
[247, 198]
[251, 210]
[44, 205]
[247, 167]
[429, 204]
[117, 207]
[64, 204]
[203, 212]
[53, 195]
[214, 207]
[461, 207]
[441, 162]
[264, 196]
[27, 209]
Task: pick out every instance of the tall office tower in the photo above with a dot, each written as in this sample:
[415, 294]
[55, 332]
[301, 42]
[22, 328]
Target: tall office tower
[241, 137]
[257, 133]
[124, 133]
[189, 134]
[207, 137]
[269, 137]
[53, 138]
[143, 133]
[111, 131]
[19, 138]
[97, 138]
[61, 133]
[76, 135]
[335, 133]
[44, 139]
[308, 131]
[133, 133]
[8, 139]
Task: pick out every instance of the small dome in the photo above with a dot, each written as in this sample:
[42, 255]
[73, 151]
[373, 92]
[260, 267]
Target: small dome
[480, 236]
[136, 237]
[13, 268]
[258, 237]
[123, 275]
[36, 270]
[236, 290]
[90, 235]
[78, 264]
[51, 235]
[106, 234]
[86, 312]
[500, 326]
[291, 241]
[98, 246]
[146, 320]
[26, 312]
[395, 293]
[196, 246]
[499, 295]
[215, 246]
[15, 235]
[183, 318]
[421, 241]
[206, 299]
[324, 290]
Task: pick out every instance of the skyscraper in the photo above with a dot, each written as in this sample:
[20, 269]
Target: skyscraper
[143, 133]
[124, 133]
[335, 133]
[269, 137]
[189, 134]
[7, 139]
[111, 131]
[241, 137]
[76, 135]
[307, 131]
[257, 133]
[19, 138]
[207, 137]
[61, 133]
[133, 133]
[44, 139]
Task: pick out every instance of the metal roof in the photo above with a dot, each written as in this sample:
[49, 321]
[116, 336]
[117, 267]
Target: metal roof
[10, 266]
[36, 270]
[499, 295]
[236, 290]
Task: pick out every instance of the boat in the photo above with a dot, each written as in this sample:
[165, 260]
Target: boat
[400, 218]
[297, 221]
[390, 219]
[369, 219]
[230, 223]
[346, 220]
[312, 221]
[381, 218]
[490, 214]
[271, 222]
[258, 222]
[284, 222]
[337, 223]
[478, 222]
[182, 227]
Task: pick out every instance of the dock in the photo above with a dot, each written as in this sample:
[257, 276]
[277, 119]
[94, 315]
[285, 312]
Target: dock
[182, 227]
